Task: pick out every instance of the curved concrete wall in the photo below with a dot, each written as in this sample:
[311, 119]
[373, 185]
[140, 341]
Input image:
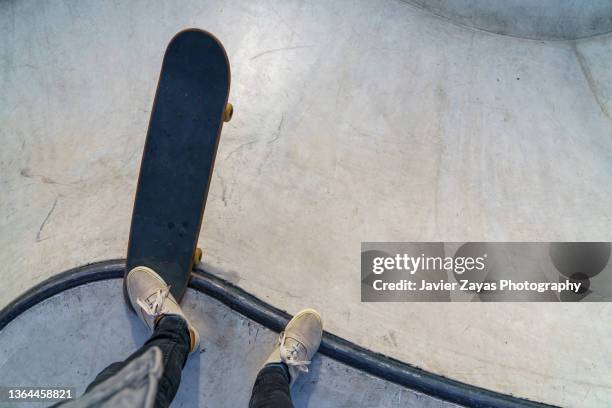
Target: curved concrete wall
[542, 19]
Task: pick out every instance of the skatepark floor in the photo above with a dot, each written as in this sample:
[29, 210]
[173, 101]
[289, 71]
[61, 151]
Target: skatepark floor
[94, 323]
[354, 121]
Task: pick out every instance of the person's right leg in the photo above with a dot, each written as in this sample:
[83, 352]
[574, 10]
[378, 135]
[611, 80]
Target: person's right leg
[297, 345]
[172, 333]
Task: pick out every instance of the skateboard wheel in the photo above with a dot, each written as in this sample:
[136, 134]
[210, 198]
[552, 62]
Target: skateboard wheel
[229, 111]
[197, 256]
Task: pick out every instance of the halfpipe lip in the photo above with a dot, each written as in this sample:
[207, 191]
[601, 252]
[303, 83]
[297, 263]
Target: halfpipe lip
[332, 346]
[512, 19]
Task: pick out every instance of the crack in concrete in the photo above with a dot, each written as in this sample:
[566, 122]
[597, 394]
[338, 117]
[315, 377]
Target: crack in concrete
[223, 189]
[588, 75]
[25, 172]
[243, 145]
[280, 49]
[38, 238]
[278, 131]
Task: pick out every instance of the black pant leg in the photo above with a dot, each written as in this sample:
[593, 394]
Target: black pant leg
[271, 389]
[172, 337]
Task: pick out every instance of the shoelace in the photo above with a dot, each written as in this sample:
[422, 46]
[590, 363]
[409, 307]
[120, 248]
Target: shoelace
[155, 308]
[290, 355]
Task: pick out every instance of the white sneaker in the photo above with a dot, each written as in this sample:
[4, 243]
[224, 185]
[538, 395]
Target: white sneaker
[299, 342]
[151, 298]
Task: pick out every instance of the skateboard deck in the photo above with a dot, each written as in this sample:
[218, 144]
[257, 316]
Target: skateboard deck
[188, 112]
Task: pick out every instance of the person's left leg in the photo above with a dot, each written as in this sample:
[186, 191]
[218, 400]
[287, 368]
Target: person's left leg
[272, 387]
[297, 346]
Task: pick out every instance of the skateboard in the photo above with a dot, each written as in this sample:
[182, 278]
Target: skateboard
[188, 112]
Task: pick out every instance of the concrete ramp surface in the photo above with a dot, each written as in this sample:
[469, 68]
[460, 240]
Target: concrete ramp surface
[93, 322]
[354, 121]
